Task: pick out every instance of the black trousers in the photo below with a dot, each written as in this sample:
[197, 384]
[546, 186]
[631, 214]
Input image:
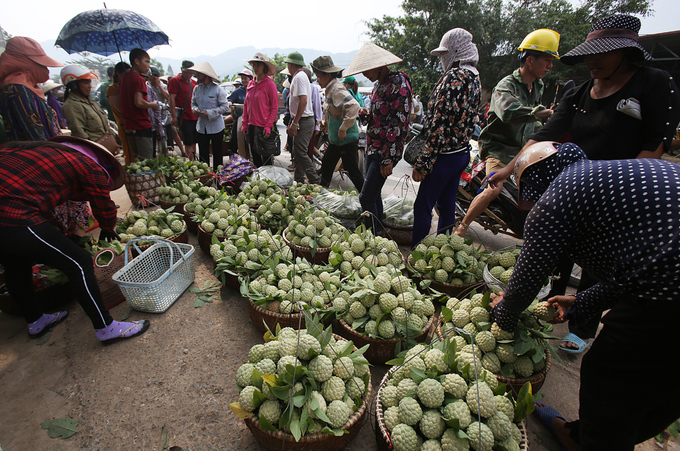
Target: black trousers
[629, 391]
[350, 161]
[22, 247]
[205, 141]
[582, 329]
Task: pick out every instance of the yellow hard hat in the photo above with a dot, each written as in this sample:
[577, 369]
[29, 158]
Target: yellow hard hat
[543, 40]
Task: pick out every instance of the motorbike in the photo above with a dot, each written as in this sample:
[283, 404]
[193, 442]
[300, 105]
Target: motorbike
[503, 214]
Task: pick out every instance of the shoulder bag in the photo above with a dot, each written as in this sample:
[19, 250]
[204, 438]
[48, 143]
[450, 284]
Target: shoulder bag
[179, 112]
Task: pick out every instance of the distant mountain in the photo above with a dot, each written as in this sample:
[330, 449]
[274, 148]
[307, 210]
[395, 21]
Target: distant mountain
[226, 63]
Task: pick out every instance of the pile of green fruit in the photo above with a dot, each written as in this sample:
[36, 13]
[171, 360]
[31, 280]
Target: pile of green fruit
[249, 253]
[448, 258]
[180, 167]
[514, 355]
[317, 229]
[290, 287]
[142, 166]
[432, 402]
[226, 219]
[361, 249]
[257, 191]
[302, 383]
[501, 264]
[160, 222]
[383, 305]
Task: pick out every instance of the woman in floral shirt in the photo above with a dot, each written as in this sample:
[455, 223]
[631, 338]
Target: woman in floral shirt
[387, 124]
[449, 124]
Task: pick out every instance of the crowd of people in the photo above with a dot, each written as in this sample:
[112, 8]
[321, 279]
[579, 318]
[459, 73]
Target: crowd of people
[588, 170]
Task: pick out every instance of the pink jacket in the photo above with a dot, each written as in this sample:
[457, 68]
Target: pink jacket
[261, 105]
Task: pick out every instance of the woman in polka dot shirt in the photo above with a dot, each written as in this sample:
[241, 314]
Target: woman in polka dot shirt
[620, 221]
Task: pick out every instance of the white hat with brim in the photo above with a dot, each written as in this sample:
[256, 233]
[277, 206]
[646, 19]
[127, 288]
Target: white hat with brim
[50, 85]
[371, 56]
[286, 83]
[285, 71]
[205, 69]
[262, 58]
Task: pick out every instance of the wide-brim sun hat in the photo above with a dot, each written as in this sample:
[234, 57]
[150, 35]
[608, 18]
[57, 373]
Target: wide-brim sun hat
[50, 85]
[205, 69]
[371, 56]
[99, 154]
[262, 58]
[285, 71]
[608, 34]
[325, 64]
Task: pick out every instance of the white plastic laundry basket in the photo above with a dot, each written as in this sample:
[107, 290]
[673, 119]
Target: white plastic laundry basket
[156, 278]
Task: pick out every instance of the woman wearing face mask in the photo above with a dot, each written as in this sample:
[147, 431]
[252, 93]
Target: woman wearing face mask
[85, 118]
[23, 106]
[449, 124]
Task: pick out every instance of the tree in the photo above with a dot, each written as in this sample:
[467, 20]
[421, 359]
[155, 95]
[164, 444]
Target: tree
[498, 27]
[158, 64]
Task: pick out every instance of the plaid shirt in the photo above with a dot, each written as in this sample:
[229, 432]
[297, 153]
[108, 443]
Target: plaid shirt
[33, 182]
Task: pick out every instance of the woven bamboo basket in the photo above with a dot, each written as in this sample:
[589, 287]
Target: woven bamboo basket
[49, 298]
[205, 239]
[382, 435]
[537, 380]
[192, 226]
[450, 289]
[179, 206]
[379, 351]
[111, 294]
[143, 188]
[259, 314]
[401, 234]
[278, 440]
[514, 384]
[320, 256]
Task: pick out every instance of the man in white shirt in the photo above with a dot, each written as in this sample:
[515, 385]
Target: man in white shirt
[301, 127]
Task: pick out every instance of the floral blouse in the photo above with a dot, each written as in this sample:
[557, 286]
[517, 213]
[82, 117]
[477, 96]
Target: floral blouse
[451, 117]
[388, 124]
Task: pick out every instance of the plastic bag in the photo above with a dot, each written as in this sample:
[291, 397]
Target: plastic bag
[276, 174]
[474, 167]
[398, 211]
[342, 206]
[235, 168]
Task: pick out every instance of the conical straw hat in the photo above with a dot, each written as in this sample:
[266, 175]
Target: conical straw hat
[371, 56]
[205, 69]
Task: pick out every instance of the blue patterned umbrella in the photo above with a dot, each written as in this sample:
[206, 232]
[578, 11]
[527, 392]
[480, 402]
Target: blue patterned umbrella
[109, 31]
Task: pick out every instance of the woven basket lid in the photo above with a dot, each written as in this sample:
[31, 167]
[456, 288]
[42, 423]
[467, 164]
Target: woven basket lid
[371, 56]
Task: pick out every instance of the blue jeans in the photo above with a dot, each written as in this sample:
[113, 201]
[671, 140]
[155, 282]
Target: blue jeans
[371, 194]
[439, 187]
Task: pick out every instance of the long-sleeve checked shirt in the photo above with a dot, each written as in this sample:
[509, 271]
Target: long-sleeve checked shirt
[34, 182]
[619, 220]
[512, 117]
[451, 117]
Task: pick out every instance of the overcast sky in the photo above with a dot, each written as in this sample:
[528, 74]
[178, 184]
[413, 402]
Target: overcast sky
[210, 28]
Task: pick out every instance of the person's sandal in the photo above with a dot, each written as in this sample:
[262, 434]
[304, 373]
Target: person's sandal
[575, 339]
[118, 331]
[44, 324]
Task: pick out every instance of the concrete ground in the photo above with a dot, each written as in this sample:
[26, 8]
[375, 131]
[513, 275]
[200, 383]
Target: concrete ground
[172, 386]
